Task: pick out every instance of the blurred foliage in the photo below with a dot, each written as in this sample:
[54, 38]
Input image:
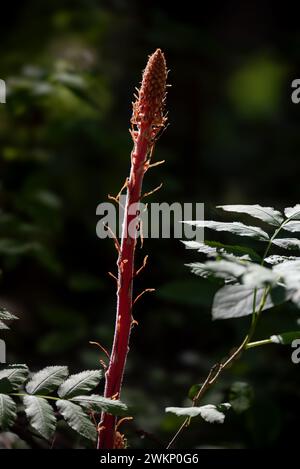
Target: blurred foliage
[71, 68]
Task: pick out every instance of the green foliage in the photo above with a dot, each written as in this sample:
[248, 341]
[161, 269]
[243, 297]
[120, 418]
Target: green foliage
[5, 316]
[39, 405]
[97, 403]
[240, 396]
[210, 413]
[250, 286]
[79, 383]
[285, 338]
[8, 412]
[266, 214]
[40, 415]
[46, 380]
[77, 419]
[15, 374]
[236, 228]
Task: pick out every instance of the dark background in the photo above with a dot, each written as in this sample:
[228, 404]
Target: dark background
[71, 68]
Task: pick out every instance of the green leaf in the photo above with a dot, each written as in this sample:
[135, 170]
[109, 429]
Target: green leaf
[14, 247]
[220, 269]
[41, 415]
[3, 326]
[266, 214]
[210, 413]
[293, 212]
[293, 226]
[193, 391]
[47, 380]
[257, 276]
[77, 419]
[275, 259]
[289, 272]
[234, 301]
[240, 396]
[80, 383]
[214, 248]
[248, 273]
[100, 403]
[236, 228]
[8, 412]
[285, 338]
[16, 375]
[201, 247]
[6, 315]
[287, 243]
[239, 251]
[5, 386]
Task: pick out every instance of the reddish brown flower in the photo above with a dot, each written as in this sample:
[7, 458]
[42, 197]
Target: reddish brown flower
[149, 106]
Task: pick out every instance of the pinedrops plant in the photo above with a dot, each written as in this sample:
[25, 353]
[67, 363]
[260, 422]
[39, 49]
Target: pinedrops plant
[252, 284]
[147, 122]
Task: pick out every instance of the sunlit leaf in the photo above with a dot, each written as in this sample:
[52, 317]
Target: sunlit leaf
[47, 380]
[77, 419]
[41, 415]
[80, 383]
[210, 413]
[8, 412]
[293, 212]
[236, 228]
[285, 338]
[266, 214]
[100, 403]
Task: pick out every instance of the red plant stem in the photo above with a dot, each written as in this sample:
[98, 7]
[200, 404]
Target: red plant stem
[115, 372]
[147, 120]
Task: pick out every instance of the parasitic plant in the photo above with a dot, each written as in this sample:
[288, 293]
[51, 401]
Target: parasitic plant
[147, 122]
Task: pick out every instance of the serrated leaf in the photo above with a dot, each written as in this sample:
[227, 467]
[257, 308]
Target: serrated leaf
[80, 383]
[267, 214]
[47, 380]
[3, 326]
[257, 276]
[210, 413]
[5, 315]
[289, 272]
[287, 243]
[293, 212]
[275, 259]
[248, 273]
[201, 247]
[214, 248]
[16, 374]
[285, 338]
[40, 415]
[240, 396]
[77, 419]
[100, 403]
[234, 301]
[220, 269]
[238, 251]
[236, 228]
[8, 412]
[293, 226]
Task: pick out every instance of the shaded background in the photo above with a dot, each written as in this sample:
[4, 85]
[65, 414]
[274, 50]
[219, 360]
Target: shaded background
[71, 68]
